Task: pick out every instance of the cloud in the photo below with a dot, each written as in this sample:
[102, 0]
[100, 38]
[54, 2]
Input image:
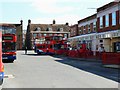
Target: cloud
[51, 6]
[62, 6]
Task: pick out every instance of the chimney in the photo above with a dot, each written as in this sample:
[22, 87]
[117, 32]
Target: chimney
[54, 22]
[67, 24]
[29, 21]
[21, 21]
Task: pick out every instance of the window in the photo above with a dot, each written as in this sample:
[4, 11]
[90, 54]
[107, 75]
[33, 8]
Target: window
[94, 27]
[34, 35]
[8, 30]
[101, 22]
[38, 29]
[107, 21]
[88, 28]
[84, 30]
[39, 35]
[45, 34]
[80, 31]
[113, 18]
[61, 29]
[101, 41]
[50, 34]
[49, 29]
[65, 35]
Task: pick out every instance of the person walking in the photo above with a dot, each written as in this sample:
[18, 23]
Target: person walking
[25, 50]
[100, 50]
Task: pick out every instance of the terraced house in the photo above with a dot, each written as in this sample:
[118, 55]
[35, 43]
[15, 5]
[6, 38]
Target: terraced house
[108, 22]
[35, 31]
[100, 28]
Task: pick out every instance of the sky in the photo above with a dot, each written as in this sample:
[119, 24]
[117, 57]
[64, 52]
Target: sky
[45, 11]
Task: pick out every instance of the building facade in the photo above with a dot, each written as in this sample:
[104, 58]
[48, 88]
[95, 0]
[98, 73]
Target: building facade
[101, 28]
[108, 25]
[87, 32]
[35, 31]
[74, 30]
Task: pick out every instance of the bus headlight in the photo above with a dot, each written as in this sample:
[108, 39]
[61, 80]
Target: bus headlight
[2, 68]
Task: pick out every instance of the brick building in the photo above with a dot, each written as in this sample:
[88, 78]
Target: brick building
[40, 30]
[18, 28]
[101, 28]
[108, 22]
[74, 30]
[87, 32]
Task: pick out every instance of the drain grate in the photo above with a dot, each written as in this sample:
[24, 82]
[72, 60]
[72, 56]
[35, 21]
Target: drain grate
[9, 76]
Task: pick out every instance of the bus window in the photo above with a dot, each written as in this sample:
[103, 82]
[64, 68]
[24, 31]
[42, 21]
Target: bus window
[50, 46]
[57, 46]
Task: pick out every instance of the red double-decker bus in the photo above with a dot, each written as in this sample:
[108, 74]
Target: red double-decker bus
[8, 42]
[50, 45]
[9, 46]
[1, 64]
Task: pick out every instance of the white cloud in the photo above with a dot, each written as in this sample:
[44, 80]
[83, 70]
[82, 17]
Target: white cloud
[53, 6]
[50, 6]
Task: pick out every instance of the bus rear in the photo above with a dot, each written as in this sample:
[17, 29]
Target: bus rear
[1, 64]
[9, 47]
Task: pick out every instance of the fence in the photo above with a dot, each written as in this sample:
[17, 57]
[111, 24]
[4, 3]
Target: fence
[111, 58]
[105, 57]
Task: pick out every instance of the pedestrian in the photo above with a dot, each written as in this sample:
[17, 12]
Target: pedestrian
[101, 48]
[25, 50]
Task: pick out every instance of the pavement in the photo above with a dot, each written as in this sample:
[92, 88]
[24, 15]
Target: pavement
[93, 66]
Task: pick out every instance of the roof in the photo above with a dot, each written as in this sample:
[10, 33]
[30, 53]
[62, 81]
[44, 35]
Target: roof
[43, 27]
[88, 18]
[107, 6]
[7, 25]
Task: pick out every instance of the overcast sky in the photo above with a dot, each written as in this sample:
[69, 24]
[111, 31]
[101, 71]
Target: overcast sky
[44, 11]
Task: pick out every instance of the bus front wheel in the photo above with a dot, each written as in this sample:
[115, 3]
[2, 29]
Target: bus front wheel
[1, 81]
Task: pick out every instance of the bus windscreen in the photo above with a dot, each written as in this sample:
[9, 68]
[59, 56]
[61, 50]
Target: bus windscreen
[8, 46]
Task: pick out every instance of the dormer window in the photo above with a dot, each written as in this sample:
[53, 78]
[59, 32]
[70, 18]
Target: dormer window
[38, 29]
[60, 30]
[49, 29]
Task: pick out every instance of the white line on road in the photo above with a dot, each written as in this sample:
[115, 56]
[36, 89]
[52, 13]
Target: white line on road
[9, 76]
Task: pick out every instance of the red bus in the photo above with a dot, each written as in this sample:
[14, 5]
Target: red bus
[9, 46]
[1, 64]
[49, 45]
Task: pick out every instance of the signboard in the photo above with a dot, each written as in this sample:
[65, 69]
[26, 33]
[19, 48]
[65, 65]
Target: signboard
[7, 38]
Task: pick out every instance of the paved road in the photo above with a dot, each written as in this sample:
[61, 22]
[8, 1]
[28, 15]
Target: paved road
[33, 71]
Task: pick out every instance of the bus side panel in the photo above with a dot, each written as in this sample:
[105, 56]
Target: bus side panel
[1, 64]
